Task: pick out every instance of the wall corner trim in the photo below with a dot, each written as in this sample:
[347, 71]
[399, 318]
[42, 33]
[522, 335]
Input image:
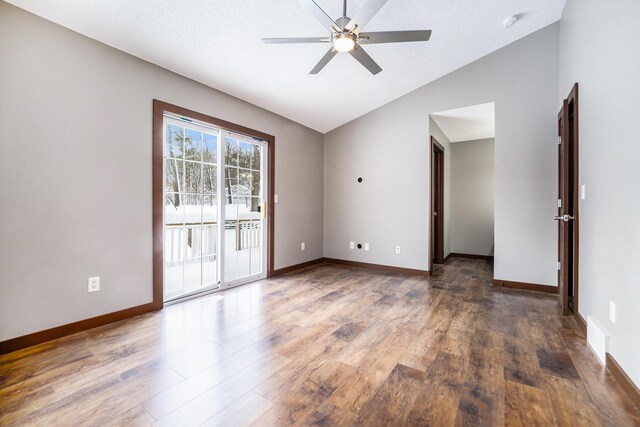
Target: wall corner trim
[632, 391]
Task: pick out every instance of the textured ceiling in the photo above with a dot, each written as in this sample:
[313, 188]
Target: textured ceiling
[468, 123]
[217, 42]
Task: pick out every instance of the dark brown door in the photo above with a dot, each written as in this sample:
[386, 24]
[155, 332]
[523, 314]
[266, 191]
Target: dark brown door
[437, 202]
[567, 216]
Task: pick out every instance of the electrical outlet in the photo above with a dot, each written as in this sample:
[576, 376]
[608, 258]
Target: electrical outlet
[366, 246]
[352, 245]
[302, 246]
[94, 284]
[612, 312]
[275, 198]
[397, 249]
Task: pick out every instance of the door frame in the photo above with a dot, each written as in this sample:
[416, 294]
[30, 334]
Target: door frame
[565, 134]
[436, 250]
[159, 109]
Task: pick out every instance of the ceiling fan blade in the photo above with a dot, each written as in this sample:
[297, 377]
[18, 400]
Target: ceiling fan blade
[365, 14]
[324, 61]
[296, 40]
[394, 37]
[313, 8]
[364, 58]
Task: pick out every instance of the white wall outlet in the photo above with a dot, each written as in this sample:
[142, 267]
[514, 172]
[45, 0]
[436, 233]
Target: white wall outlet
[302, 246]
[366, 246]
[612, 312]
[94, 284]
[275, 198]
[397, 249]
[352, 245]
[583, 192]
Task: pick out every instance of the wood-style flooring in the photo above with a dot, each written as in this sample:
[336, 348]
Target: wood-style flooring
[330, 345]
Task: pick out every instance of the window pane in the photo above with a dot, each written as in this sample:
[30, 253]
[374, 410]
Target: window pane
[210, 177]
[193, 177]
[173, 209]
[231, 152]
[255, 208]
[244, 154]
[210, 151]
[173, 260]
[174, 171]
[255, 183]
[192, 208]
[256, 156]
[174, 139]
[209, 209]
[244, 182]
[193, 145]
[209, 270]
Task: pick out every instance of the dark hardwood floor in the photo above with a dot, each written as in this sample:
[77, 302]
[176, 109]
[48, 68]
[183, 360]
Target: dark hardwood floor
[330, 345]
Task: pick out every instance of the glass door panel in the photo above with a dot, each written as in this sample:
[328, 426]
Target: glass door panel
[244, 212]
[214, 207]
[191, 209]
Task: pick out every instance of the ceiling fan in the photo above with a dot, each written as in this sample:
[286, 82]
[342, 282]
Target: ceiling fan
[346, 35]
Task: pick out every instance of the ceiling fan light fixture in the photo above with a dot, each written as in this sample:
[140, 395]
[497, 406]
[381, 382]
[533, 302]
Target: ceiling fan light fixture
[343, 42]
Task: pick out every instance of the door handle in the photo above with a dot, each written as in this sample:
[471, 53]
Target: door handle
[564, 218]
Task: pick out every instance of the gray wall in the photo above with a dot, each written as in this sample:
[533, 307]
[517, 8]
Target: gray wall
[389, 147]
[606, 64]
[472, 181]
[75, 197]
[439, 135]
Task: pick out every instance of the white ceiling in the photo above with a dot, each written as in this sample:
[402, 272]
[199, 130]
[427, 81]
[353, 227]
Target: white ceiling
[217, 42]
[468, 123]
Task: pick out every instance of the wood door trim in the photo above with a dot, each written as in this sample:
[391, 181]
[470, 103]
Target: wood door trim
[572, 102]
[159, 108]
[563, 299]
[435, 145]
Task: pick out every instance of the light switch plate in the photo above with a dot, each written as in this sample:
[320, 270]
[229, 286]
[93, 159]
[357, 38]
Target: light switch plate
[93, 284]
[275, 198]
[583, 192]
[612, 312]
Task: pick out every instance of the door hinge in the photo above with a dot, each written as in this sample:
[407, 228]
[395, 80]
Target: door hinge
[559, 265]
[559, 203]
[559, 140]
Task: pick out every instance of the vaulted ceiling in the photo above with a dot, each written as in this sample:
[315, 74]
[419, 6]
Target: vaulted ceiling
[217, 42]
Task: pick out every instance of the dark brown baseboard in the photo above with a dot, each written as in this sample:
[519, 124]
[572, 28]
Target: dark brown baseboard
[35, 338]
[469, 256]
[525, 286]
[580, 321]
[381, 267]
[295, 267]
[623, 380]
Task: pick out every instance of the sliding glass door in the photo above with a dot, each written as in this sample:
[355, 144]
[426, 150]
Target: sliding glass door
[214, 222]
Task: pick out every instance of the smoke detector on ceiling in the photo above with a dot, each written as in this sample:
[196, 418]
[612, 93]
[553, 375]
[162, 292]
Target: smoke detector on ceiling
[508, 22]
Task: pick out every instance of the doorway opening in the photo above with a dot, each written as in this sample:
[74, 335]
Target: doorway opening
[568, 193]
[462, 184]
[213, 216]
